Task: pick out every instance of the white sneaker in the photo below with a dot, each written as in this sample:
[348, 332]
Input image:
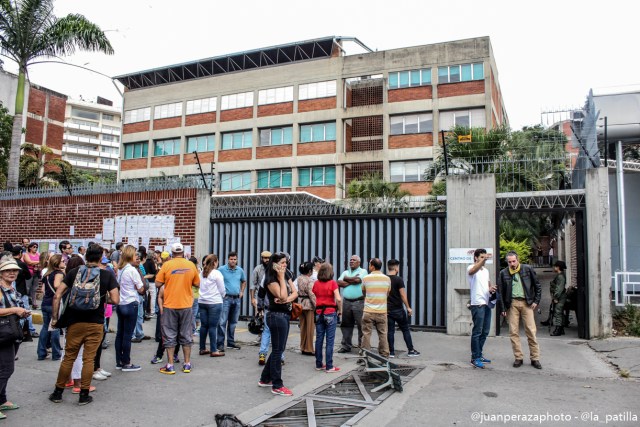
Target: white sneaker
[98, 376]
[105, 373]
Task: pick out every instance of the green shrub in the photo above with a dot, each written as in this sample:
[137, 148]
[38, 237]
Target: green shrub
[627, 320]
[522, 248]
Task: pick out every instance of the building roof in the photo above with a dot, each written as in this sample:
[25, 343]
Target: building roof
[241, 61]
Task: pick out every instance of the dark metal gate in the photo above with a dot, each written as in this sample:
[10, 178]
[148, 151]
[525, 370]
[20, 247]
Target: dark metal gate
[416, 239]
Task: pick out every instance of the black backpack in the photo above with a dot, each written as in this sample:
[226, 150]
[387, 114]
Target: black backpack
[85, 292]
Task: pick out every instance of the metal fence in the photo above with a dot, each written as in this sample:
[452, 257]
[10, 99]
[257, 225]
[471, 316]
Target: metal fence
[418, 241]
[132, 186]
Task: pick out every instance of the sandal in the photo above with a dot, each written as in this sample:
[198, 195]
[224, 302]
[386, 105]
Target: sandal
[9, 407]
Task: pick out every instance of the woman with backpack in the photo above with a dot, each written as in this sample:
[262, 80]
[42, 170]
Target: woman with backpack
[53, 277]
[131, 286]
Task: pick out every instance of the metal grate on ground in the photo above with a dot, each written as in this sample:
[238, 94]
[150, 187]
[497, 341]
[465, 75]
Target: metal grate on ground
[341, 402]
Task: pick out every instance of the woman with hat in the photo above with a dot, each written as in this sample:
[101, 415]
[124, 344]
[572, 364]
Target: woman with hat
[9, 304]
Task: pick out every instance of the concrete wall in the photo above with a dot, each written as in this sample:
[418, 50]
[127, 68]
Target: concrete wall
[598, 244]
[632, 221]
[471, 223]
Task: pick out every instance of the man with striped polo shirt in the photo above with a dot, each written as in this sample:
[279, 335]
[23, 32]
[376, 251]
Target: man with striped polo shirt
[376, 287]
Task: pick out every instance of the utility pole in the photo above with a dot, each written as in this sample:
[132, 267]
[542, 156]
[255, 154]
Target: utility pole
[444, 147]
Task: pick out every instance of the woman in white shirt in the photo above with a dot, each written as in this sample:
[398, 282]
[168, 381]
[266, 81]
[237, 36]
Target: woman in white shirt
[131, 286]
[210, 304]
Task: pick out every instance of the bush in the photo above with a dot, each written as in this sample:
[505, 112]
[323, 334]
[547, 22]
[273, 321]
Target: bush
[627, 320]
[522, 248]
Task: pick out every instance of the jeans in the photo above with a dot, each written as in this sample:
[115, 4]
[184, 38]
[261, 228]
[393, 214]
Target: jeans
[481, 316]
[209, 319]
[139, 332]
[25, 301]
[228, 320]
[265, 339]
[279, 325]
[400, 317]
[127, 318]
[7, 365]
[326, 326]
[45, 335]
[195, 309]
[351, 315]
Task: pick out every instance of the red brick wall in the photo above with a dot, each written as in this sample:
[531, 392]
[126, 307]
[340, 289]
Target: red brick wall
[410, 94]
[164, 161]
[413, 140]
[54, 136]
[326, 192]
[462, 88]
[348, 134]
[234, 192]
[200, 119]
[190, 158]
[56, 108]
[497, 100]
[168, 123]
[417, 188]
[234, 155]
[133, 164]
[273, 190]
[311, 148]
[316, 104]
[35, 131]
[275, 151]
[275, 109]
[50, 218]
[136, 127]
[236, 114]
[37, 101]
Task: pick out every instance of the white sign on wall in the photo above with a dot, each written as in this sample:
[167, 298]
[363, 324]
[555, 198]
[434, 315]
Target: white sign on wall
[465, 255]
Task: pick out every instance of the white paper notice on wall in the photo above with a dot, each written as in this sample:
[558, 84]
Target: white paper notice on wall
[465, 255]
[108, 228]
[120, 227]
[144, 241]
[168, 226]
[72, 230]
[155, 226]
[132, 225]
[171, 240]
[144, 226]
[187, 251]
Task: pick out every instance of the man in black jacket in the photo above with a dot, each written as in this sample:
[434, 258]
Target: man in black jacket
[521, 292]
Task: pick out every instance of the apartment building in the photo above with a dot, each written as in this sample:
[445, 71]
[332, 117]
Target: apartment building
[91, 139]
[307, 116]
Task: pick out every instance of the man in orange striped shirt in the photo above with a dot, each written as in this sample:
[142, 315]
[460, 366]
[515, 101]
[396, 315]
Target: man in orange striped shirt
[376, 287]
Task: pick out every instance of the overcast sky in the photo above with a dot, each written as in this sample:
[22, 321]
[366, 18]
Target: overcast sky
[549, 53]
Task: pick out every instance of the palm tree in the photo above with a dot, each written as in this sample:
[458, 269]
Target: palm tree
[56, 171]
[29, 30]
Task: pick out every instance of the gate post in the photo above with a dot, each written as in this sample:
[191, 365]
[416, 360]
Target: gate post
[471, 223]
[203, 223]
[598, 252]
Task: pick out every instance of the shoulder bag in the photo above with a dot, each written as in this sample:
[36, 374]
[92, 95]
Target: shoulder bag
[10, 328]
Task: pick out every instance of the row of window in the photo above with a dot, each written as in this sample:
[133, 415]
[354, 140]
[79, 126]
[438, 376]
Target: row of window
[278, 178]
[91, 115]
[399, 79]
[399, 125]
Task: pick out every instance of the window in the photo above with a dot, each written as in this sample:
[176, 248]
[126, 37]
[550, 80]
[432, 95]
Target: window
[105, 161]
[280, 178]
[408, 171]
[235, 140]
[276, 95]
[136, 150]
[167, 110]
[317, 90]
[474, 118]
[167, 147]
[117, 129]
[235, 181]
[412, 123]
[410, 78]
[201, 143]
[238, 100]
[310, 177]
[461, 73]
[318, 132]
[85, 114]
[107, 117]
[276, 136]
[139, 115]
[112, 150]
[111, 138]
[204, 105]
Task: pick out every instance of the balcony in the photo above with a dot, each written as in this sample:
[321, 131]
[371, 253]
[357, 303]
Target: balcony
[87, 152]
[83, 139]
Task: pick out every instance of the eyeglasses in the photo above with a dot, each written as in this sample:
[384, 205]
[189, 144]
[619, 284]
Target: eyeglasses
[69, 247]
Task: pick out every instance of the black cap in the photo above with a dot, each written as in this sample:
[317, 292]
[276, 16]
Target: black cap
[317, 259]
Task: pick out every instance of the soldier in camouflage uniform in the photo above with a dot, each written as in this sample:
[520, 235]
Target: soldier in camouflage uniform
[559, 297]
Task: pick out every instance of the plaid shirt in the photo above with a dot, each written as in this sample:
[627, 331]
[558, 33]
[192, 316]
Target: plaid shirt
[13, 296]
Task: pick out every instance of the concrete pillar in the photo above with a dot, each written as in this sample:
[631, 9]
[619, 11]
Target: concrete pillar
[598, 252]
[471, 223]
[202, 241]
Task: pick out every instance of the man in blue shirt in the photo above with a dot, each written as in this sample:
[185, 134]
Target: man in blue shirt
[235, 282]
[352, 302]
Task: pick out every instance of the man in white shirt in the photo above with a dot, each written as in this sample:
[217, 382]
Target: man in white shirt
[481, 290]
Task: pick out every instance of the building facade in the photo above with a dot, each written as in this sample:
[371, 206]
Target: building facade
[307, 116]
[92, 135]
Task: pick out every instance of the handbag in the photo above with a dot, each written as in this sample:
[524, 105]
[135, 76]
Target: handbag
[10, 327]
[296, 310]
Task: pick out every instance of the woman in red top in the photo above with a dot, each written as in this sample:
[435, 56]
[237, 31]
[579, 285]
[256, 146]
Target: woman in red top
[328, 308]
[32, 259]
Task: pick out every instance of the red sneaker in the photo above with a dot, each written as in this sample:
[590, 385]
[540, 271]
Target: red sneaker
[282, 391]
[334, 369]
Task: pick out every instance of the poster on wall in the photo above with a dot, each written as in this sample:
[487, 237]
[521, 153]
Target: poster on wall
[132, 225]
[155, 226]
[465, 255]
[143, 226]
[168, 226]
[120, 227]
[108, 228]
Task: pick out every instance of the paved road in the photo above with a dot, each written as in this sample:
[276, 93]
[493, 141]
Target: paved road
[576, 379]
